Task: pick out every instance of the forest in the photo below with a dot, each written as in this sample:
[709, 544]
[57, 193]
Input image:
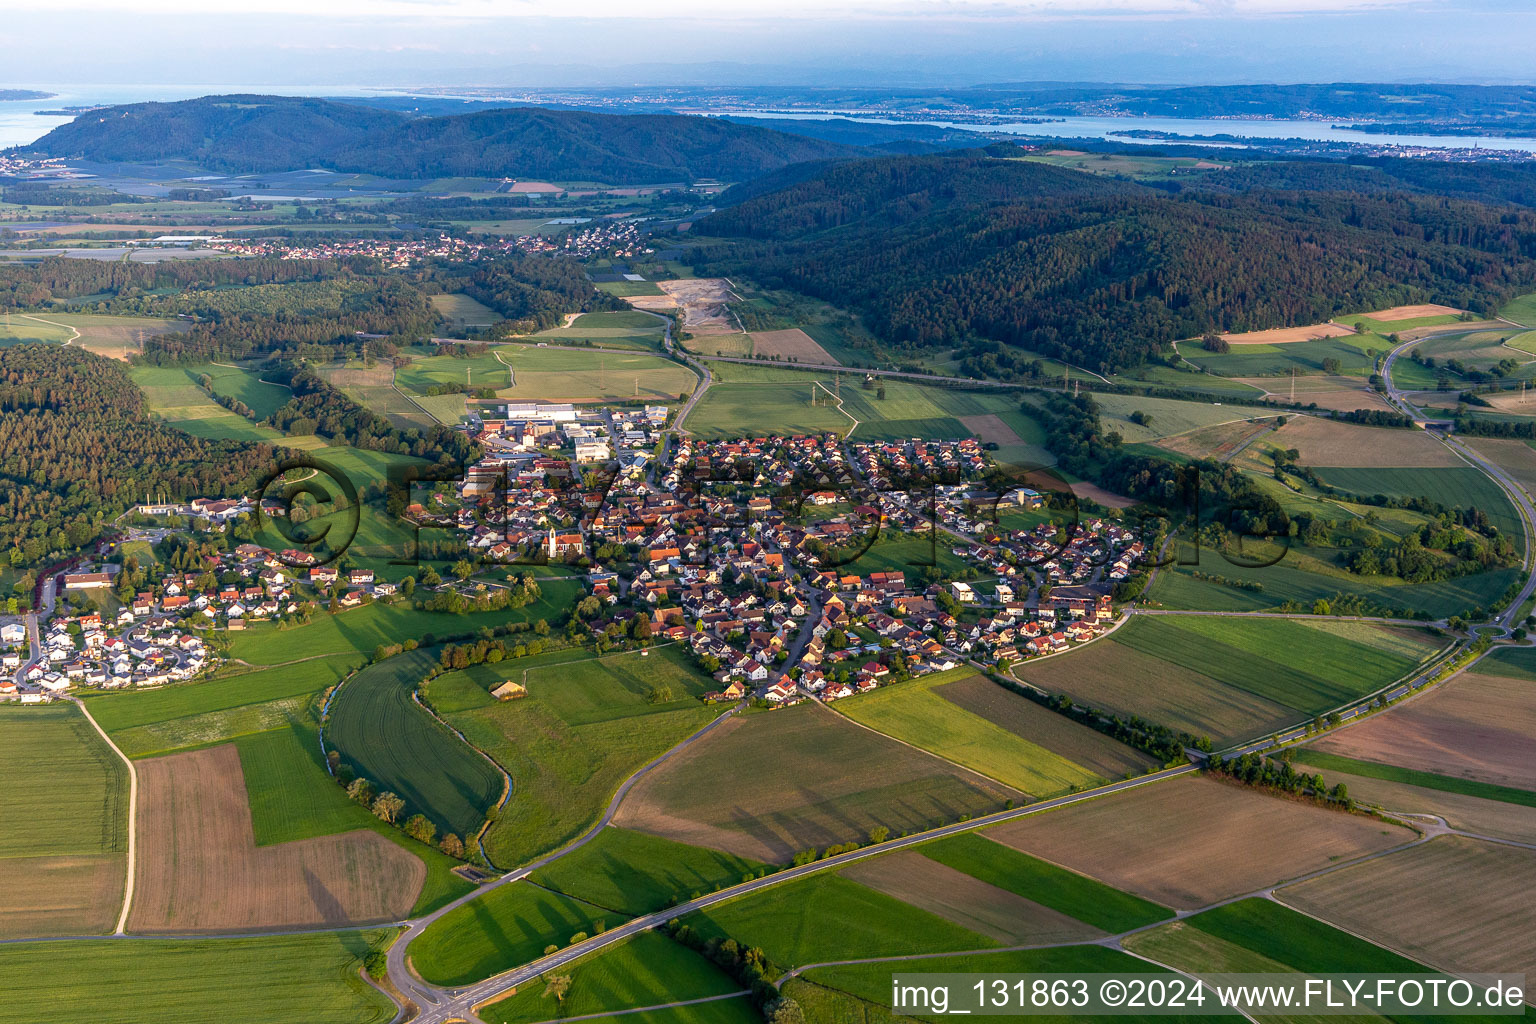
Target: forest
[77, 447]
[937, 252]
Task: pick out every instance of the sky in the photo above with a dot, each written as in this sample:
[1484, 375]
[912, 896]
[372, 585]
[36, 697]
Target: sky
[870, 43]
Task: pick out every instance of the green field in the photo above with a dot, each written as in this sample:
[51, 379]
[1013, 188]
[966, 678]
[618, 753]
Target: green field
[1411, 777]
[1517, 662]
[1079, 896]
[1257, 655]
[504, 928]
[174, 396]
[1461, 487]
[386, 738]
[1355, 353]
[462, 311]
[1296, 940]
[1521, 309]
[363, 629]
[292, 979]
[908, 553]
[753, 410]
[480, 371]
[622, 329]
[647, 970]
[913, 713]
[633, 873]
[827, 917]
[585, 726]
[1166, 416]
[66, 793]
[560, 375]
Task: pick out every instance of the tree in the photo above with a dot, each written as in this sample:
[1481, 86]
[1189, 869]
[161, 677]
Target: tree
[452, 845]
[361, 791]
[420, 829]
[387, 807]
[1321, 607]
[879, 834]
[1332, 366]
[463, 569]
[783, 1010]
[557, 986]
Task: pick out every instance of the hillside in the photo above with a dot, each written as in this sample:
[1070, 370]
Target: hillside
[244, 134]
[943, 251]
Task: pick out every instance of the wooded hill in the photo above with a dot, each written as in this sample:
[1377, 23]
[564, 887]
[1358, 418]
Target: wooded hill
[243, 134]
[940, 251]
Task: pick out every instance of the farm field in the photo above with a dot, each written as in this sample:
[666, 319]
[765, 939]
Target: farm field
[1173, 695]
[64, 832]
[289, 979]
[585, 726]
[1285, 335]
[915, 712]
[633, 873]
[116, 337]
[463, 311]
[1517, 458]
[504, 928]
[1077, 896]
[1323, 442]
[792, 344]
[1273, 930]
[1402, 318]
[1336, 393]
[1250, 654]
[395, 744]
[374, 388]
[1166, 416]
[556, 375]
[174, 396]
[823, 916]
[1355, 355]
[1469, 911]
[967, 901]
[480, 371]
[1454, 487]
[647, 970]
[1078, 744]
[1218, 442]
[1137, 840]
[750, 410]
[1415, 777]
[862, 992]
[363, 629]
[1477, 726]
[630, 328]
[818, 778]
[1468, 812]
[203, 872]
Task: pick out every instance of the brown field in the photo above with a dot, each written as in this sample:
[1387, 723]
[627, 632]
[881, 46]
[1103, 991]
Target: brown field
[969, 902]
[358, 376]
[1514, 403]
[1341, 393]
[119, 340]
[1193, 841]
[1468, 813]
[1516, 458]
[1413, 312]
[1115, 677]
[1057, 733]
[1477, 726]
[1453, 903]
[770, 785]
[526, 187]
[703, 300]
[791, 344]
[1216, 442]
[652, 302]
[1327, 443]
[1288, 335]
[61, 895]
[1093, 492]
[200, 870]
[988, 427]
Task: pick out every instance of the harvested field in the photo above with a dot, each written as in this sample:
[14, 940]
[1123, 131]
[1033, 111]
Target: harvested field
[1093, 492]
[1288, 335]
[1331, 393]
[1468, 813]
[1517, 458]
[815, 778]
[1413, 312]
[1515, 403]
[1454, 903]
[1218, 442]
[966, 901]
[792, 344]
[1477, 726]
[200, 870]
[1327, 443]
[1057, 733]
[1115, 677]
[1194, 841]
[61, 895]
[990, 427]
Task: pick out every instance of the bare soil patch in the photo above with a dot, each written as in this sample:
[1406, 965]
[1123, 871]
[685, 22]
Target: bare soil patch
[703, 301]
[1218, 442]
[1118, 678]
[1454, 903]
[656, 303]
[1477, 726]
[1193, 841]
[1288, 335]
[1093, 492]
[969, 902]
[791, 344]
[991, 428]
[770, 785]
[1414, 312]
[528, 187]
[200, 870]
[1325, 442]
[359, 376]
[61, 895]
